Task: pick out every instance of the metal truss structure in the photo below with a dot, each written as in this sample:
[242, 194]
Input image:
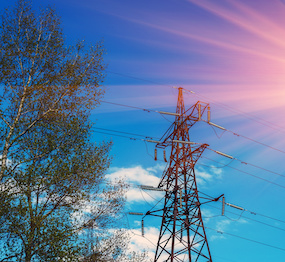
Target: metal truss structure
[182, 234]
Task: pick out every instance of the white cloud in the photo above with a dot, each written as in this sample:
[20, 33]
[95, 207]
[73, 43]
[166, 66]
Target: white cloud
[147, 243]
[157, 168]
[137, 194]
[224, 225]
[207, 215]
[139, 176]
[203, 176]
[135, 174]
[217, 171]
[137, 222]
[151, 176]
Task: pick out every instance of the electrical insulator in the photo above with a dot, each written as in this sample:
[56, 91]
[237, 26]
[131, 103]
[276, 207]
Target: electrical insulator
[164, 156]
[142, 228]
[209, 114]
[234, 206]
[199, 112]
[155, 154]
[223, 207]
[223, 154]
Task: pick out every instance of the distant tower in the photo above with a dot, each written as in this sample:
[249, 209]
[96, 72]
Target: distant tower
[182, 234]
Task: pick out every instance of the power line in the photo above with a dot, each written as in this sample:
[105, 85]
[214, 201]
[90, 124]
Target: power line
[240, 112]
[218, 152]
[247, 173]
[249, 211]
[122, 132]
[140, 108]
[257, 221]
[135, 233]
[231, 205]
[246, 163]
[146, 140]
[244, 238]
[245, 137]
[134, 107]
[212, 124]
[255, 141]
[244, 114]
[131, 138]
[137, 78]
[239, 135]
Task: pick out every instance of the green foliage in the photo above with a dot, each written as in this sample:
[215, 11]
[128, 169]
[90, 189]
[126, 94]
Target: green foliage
[49, 167]
[115, 249]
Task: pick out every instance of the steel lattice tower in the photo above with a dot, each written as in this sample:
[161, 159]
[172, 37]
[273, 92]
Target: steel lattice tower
[182, 234]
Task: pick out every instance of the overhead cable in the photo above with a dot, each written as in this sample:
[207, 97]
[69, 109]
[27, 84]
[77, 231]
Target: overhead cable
[240, 112]
[218, 152]
[248, 218]
[247, 173]
[245, 137]
[244, 238]
[246, 163]
[210, 123]
[246, 115]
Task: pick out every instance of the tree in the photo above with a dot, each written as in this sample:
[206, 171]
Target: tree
[41, 78]
[106, 238]
[115, 249]
[49, 167]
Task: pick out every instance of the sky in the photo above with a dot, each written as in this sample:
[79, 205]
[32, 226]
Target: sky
[228, 53]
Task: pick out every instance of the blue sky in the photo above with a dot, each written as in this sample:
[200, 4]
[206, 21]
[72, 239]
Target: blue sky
[231, 53]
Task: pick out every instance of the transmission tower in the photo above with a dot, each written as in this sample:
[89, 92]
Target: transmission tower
[182, 234]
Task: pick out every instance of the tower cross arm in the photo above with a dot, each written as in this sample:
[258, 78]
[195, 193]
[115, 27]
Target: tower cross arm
[184, 118]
